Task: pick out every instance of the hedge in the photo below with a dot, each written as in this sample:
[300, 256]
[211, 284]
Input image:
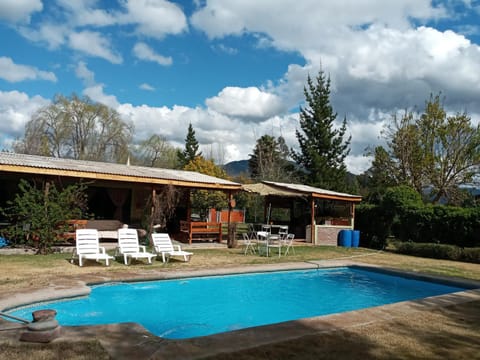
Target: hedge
[439, 251]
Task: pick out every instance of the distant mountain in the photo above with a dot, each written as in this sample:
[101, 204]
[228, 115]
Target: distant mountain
[236, 168]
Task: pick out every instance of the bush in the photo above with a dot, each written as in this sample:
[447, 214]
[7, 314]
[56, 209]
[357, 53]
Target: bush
[439, 251]
[471, 255]
[37, 213]
[373, 224]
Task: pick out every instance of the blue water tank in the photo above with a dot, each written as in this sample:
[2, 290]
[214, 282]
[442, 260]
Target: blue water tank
[345, 238]
[355, 238]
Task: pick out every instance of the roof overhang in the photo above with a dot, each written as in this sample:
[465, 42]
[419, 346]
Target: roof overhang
[270, 188]
[46, 166]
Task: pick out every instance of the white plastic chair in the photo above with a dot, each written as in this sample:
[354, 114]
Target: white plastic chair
[283, 232]
[249, 243]
[129, 247]
[163, 246]
[88, 247]
[288, 243]
[262, 242]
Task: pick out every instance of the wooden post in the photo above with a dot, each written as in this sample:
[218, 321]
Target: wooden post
[189, 206]
[231, 240]
[352, 214]
[312, 221]
[152, 212]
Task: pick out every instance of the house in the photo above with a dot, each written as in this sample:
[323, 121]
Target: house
[115, 191]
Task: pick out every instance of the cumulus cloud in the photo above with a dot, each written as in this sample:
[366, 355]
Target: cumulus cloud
[290, 28]
[16, 109]
[94, 44]
[145, 52]
[15, 73]
[146, 14]
[248, 103]
[19, 10]
[96, 93]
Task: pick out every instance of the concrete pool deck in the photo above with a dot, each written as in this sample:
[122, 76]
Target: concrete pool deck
[129, 340]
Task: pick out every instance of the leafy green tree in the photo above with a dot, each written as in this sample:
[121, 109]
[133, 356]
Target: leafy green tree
[191, 148]
[380, 176]
[269, 160]
[433, 150]
[76, 128]
[323, 148]
[203, 200]
[39, 213]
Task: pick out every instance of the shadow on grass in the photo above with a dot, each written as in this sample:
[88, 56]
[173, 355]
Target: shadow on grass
[446, 333]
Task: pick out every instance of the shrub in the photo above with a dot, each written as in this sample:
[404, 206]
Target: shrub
[37, 213]
[374, 225]
[439, 251]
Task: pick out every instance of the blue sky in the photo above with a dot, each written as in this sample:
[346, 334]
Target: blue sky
[235, 69]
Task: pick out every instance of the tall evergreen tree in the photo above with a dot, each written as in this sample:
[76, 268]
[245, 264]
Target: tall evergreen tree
[191, 148]
[323, 148]
[269, 160]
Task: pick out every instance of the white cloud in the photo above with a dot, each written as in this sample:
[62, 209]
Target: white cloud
[357, 164]
[247, 103]
[96, 93]
[15, 73]
[294, 23]
[145, 52]
[51, 34]
[82, 13]
[85, 74]
[155, 18]
[146, 87]
[19, 10]
[16, 109]
[213, 130]
[94, 44]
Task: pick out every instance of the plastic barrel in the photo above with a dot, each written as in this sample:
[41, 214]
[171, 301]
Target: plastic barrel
[356, 238]
[345, 238]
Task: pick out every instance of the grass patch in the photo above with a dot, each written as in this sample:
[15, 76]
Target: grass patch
[85, 350]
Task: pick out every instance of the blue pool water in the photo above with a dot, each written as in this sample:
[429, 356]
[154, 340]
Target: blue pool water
[185, 308]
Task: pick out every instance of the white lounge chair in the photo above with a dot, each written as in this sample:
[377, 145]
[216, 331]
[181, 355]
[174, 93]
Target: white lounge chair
[163, 246]
[129, 247]
[88, 247]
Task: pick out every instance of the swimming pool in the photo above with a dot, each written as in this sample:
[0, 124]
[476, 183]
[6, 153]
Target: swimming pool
[191, 307]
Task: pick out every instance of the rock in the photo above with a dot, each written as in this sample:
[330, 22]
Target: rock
[42, 315]
[43, 325]
[41, 336]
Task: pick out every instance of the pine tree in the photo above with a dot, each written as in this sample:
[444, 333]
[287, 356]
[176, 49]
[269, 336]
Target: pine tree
[322, 146]
[269, 160]
[191, 148]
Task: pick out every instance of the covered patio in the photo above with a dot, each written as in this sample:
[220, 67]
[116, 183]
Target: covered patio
[316, 215]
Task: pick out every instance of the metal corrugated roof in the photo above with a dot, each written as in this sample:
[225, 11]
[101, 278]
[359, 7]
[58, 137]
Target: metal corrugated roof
[32, 162]
[287, 189]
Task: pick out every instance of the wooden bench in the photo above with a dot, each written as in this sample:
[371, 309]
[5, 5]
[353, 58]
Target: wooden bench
[200, 230]
[71, 225]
